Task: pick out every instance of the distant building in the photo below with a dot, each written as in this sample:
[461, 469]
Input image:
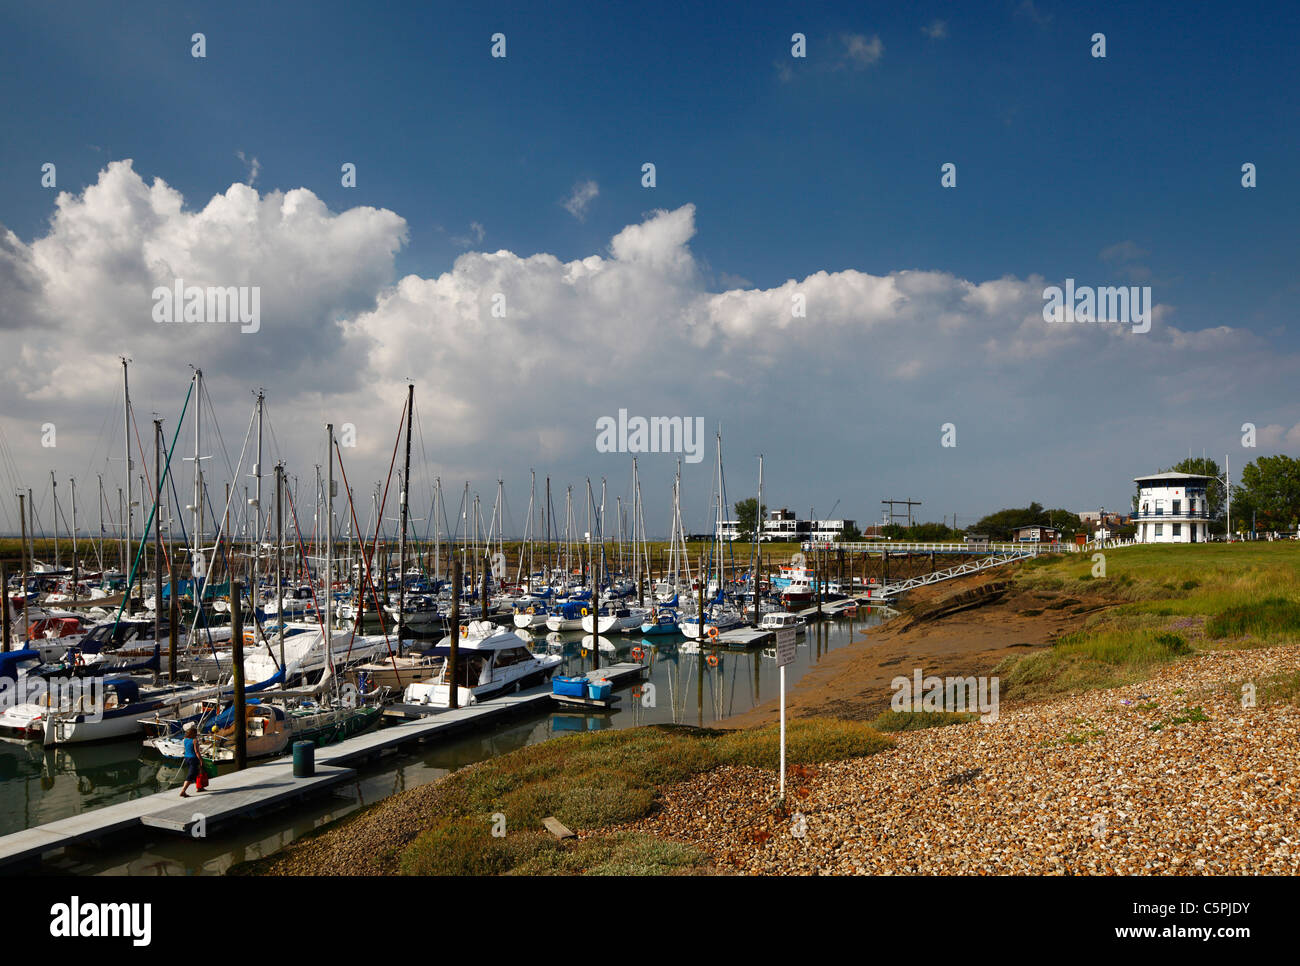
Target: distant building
[1172, 508]
[1102, 517]
[1035, 533]
[782, 526]
[829, 529]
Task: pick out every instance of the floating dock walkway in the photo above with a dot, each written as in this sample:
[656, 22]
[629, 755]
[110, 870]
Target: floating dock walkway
[272, 785]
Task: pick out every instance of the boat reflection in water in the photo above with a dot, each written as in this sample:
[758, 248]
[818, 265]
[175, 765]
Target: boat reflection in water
[39, 785]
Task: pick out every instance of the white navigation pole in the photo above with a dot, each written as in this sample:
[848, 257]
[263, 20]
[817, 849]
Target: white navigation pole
[1227, 489]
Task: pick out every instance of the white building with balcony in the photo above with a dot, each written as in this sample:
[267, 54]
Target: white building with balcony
[1172, 508]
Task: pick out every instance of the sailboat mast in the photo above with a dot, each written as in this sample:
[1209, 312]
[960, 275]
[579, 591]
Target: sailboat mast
[198, 470]
[54, 494]
[279, 563]
[549, 510]
[257, 477]
[157, 543]
[99, 555]
[401, 512]
[329, 548]
[437, 528]
[76, 569]
[758, 539]
[126, 444]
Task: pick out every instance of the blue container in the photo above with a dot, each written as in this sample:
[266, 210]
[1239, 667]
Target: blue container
[574, 687]
[304, 759]
[599, 690]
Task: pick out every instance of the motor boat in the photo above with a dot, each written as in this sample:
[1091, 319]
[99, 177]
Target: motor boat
[489, 662]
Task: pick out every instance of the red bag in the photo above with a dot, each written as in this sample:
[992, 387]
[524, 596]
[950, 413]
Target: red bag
[201, 782]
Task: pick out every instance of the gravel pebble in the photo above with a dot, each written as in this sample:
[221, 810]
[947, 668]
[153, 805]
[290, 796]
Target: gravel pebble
[1081, 785]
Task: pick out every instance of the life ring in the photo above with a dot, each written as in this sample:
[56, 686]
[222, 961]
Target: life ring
[712, 660]
[584, 612]
[464, 631]
[531, 611]
[638, 653]
[713, 633]
[584, 652]
[79, 660]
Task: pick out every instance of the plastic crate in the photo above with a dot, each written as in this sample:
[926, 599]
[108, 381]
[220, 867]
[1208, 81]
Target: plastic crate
[599, 690]
[574, 687]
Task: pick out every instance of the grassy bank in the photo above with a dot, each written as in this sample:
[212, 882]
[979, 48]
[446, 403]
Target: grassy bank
[592, 783]
[1174, 601]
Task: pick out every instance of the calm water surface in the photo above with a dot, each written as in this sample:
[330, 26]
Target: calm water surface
[39, 785]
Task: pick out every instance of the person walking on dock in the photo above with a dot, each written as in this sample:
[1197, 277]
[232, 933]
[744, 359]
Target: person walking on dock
[193, 764]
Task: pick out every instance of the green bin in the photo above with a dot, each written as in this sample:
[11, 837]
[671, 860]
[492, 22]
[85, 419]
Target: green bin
[304, 759]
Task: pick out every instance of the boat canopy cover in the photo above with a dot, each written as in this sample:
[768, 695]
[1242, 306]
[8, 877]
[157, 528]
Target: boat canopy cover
[493, 643]
[227, 717]
[127, 689]
[10, 660]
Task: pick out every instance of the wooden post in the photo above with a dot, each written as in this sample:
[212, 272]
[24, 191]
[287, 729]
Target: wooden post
[237, 659]
[455, 630]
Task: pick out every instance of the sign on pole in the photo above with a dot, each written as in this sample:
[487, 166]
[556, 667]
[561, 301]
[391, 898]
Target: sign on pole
[784, 656]
[784, 646]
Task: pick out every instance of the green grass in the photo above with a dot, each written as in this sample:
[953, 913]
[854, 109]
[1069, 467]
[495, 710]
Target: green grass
[1185, 716]
[1282, 687]
[1172, 602]
[1272, 619]
[596, 782]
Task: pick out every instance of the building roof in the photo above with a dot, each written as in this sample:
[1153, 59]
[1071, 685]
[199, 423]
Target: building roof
[1171, 476]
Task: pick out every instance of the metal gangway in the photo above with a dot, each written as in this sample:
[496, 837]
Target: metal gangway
[980, 547]
[961, 570]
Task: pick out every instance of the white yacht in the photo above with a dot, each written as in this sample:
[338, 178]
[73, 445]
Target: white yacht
[489, 662]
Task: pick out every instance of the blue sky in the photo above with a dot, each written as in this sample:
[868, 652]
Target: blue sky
[1123, 169]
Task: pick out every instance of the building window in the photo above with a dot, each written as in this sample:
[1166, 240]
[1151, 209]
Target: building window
[1178, 529]
[1178, 505]
[1160, 528]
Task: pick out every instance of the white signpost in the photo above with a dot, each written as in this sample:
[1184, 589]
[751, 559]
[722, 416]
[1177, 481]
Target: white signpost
[784, 656]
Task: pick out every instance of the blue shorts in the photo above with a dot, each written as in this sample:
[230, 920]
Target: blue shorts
[191, 769]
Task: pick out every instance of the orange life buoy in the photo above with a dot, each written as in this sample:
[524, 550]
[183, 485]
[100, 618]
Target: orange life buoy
[638, 653]
[713, 633]
[712, 660]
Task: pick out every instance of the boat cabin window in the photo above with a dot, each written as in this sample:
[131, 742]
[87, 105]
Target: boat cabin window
[512, 655]
[469, 671]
